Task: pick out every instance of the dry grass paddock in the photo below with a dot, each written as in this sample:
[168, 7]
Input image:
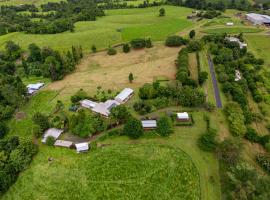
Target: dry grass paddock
[111, 72]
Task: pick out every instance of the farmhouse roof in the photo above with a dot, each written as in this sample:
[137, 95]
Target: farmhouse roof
[54, 132]
[63, 143]
[235, 39]
[35, 86]
[183, 115]
[87, 103]
[82, 147]
[149, 123]
[123, 95]
[105, 108]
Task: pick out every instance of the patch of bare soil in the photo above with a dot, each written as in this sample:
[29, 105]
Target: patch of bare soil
[111, 72]
[20, 115]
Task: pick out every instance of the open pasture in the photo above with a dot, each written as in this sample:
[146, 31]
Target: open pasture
[116, 27]
[120, 172]
[111, 72]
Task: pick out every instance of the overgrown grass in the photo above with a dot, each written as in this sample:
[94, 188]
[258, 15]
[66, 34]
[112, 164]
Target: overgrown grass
[119, 172]
[117, 26]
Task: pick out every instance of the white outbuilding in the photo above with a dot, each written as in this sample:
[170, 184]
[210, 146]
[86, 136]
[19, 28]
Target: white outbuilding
[229, 23]
[183, 116]
[32, 88]
[63, 143]
[54, 132]
[149, 124]
[82, 147]
[124, 95]
[235, 39]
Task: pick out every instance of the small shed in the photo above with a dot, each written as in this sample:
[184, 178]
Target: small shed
[149, 124]
[88, 104]
[63, 143]
[32, 88]
[183, 116]
[82, 147]
[54, 132]
[229, 23]
[124, 95]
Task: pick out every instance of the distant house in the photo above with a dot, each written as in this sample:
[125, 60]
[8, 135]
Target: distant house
[234, 39]
[32, 88]
[54, 132]
[88, 104]
[258, 19]
[183, 117]
[229, 23]
[149, 124]
[63, 143]
[82, 147]
[105, 108]
[124, 95]
[237, 75]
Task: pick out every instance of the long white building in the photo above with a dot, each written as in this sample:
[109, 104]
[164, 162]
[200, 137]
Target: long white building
[258, 19]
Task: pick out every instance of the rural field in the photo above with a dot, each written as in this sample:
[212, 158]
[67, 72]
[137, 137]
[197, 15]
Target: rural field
[119, 171]
[153, 166]
[116, 27]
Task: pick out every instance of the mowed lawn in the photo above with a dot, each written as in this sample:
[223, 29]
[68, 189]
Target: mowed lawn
[117, 26]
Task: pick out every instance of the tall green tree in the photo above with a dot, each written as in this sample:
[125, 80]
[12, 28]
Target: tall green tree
[133, 128]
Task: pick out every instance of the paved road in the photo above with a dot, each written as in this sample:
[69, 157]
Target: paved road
[214, 82]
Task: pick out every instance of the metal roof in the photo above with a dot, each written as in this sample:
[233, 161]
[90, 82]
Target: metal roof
[63, 143]
[183, 115]
[35, 86]
[54, 132]
[87, 103]
[82, 147]
[149, 123]
[123, 95]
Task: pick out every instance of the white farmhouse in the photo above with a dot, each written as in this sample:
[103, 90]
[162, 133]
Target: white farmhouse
[149, 124]
[32, 88]
[88, 104]
[235, 39]
[183, 116]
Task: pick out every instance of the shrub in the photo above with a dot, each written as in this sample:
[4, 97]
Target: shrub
[3, 129]
[126, 48]
[264, 161]
[133, 128]
[207, 141]
[148, 43]
[236, 119]
[252, 135]
[41, 120]
[175, 41]
[111, 51]
[138, 43]
[209, 106]
[50, 141]
[229, 151]
[194, 46]
[164, 126]
[94, 48]
[203, 76]
[78, 96]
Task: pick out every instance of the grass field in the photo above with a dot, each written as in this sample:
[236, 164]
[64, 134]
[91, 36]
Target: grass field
[116, 27]
[231, 30]
[18, 2]
[119, 172]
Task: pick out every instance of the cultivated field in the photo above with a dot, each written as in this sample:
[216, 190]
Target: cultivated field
[117, 26]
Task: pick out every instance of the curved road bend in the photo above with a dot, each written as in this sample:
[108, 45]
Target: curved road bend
[214, 82]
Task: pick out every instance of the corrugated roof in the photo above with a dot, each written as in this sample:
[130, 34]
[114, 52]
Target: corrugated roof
[82, 147]
[63, 143]
[149, 123]
[87, 103]
[124, 94]
[54, 132]
[183, 115]
[35, 86]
